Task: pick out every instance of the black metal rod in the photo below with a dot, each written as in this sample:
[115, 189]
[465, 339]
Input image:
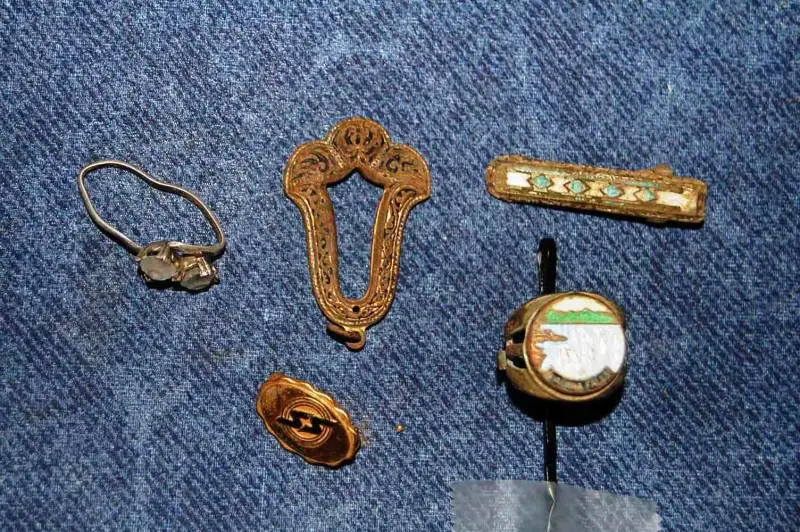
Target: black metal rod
[550, 450]
[548, 262]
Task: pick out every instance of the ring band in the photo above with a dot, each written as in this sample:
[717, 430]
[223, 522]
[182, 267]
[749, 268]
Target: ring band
[165, 260]
[567, 346]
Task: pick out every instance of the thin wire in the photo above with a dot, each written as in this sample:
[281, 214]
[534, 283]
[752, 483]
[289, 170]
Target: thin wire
[547, 259]
[548, 262]
[212, 250]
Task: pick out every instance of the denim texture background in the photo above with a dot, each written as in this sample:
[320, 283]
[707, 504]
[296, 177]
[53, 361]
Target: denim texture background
[128, 407]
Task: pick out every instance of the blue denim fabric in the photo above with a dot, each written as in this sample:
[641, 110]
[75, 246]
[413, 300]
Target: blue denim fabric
[127, 407]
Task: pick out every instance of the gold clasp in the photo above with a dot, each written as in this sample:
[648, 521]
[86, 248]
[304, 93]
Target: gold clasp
[355, 144]
[307, 421]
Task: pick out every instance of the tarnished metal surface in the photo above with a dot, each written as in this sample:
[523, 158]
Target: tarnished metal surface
[362, 145]
[653, 193]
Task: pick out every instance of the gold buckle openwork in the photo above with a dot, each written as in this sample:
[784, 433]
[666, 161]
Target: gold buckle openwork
[362, 145]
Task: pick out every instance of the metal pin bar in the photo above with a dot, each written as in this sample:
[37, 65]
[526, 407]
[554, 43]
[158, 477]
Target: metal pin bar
[548, 260]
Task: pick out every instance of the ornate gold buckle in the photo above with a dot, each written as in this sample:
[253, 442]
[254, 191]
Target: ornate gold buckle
[355, 144]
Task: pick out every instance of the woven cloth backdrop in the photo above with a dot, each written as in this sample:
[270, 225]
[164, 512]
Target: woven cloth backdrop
[129, 407]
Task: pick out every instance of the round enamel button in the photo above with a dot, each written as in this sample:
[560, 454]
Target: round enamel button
[575, 343]
[566, 346]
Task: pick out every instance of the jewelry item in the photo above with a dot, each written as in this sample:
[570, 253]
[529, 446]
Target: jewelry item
[307, 421]
[355, 144]
[567, 346]
[653, 193]
[188, 265]
[562, 349]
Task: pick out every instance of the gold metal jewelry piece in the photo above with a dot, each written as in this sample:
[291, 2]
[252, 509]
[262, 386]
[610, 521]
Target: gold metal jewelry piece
[653, 193]
[307, 421]
[355, 144]
[566, 346]
[188, 265]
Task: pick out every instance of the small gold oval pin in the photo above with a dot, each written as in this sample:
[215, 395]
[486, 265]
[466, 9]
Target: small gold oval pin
[307, 421]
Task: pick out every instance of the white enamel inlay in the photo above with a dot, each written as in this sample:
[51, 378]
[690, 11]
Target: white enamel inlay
[587, 351]
[629, 193]
[591, 342]
[672, 198]
[558, 184]
[596, 188]
[518, 179]
[579, 302]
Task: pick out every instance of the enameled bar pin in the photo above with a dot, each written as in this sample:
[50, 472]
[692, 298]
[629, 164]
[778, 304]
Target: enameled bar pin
[653, 193]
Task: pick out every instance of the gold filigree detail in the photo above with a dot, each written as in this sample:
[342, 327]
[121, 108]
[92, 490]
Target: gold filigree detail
[362, 145]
